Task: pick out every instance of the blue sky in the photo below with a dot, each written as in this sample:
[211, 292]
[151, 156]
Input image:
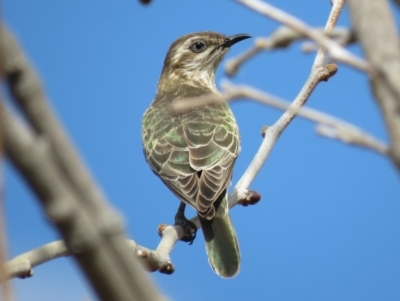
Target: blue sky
[327, 227]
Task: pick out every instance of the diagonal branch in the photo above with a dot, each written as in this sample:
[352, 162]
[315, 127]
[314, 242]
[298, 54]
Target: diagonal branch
[31, 155]
[336, 51]
[92, 231]
[328, 126]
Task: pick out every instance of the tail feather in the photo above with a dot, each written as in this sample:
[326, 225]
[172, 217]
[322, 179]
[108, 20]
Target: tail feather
[221, 242]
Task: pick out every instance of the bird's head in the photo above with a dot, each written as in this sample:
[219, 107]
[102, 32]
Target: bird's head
[194, 58]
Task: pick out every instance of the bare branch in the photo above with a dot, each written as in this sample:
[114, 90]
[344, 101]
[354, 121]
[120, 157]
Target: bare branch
[283, 37]
[31, 155]
[28, 93]
[152, 260]
[318, 74]
[336, 51]
[273, 132]
[171, 234]
[343, 36]
[100, 249]
[182, 104]
[320, 58]
[327, 125]
[22, 265]
[376, 30]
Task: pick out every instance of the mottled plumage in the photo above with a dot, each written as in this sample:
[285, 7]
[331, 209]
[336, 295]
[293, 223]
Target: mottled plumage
[193, 152]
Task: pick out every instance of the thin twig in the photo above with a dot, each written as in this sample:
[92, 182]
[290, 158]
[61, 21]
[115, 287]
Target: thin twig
[320, 58]
[336, 51]
[318, 74]
[327, 125]
[341, 35]
[283, 37]
[22, 265]
[171, 234]
[273, 132]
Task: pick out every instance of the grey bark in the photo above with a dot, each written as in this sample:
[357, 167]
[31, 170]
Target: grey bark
[375, 28]
[91, 230]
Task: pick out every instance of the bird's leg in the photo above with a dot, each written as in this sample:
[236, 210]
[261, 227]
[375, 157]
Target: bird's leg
[188, 226]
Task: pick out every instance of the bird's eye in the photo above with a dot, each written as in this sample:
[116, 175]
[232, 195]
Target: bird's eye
[198, 47]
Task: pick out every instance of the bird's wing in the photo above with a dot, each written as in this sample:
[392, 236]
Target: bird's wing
[193, 154]
[167, 153]
[213, 141]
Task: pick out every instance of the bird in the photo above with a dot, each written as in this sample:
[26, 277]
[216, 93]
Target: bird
[193, 151]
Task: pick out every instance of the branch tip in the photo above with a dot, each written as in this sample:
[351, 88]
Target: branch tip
[161, 228]
[264, 130]
[252, 198]
[167, 269]
[331, 68]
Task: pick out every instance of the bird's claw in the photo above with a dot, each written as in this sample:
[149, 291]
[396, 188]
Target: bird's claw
[188, 226]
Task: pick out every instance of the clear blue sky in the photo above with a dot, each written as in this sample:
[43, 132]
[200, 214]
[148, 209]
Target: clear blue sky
[328, 225]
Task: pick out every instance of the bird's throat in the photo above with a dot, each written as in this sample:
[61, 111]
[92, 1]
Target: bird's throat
[187, 81]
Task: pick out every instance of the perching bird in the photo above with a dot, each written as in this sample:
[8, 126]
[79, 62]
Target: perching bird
[193, 152]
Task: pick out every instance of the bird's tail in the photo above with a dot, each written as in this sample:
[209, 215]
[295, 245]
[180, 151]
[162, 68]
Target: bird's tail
[221, 242]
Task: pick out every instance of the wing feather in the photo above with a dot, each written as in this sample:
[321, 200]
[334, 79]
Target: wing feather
[193, 153]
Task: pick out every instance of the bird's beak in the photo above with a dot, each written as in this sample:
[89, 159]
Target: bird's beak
[229, 41]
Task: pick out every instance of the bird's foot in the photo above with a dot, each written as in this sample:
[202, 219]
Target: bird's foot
[188, 226]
